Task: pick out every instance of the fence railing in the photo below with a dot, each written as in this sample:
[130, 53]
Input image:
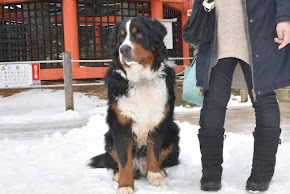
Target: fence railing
[67, 71]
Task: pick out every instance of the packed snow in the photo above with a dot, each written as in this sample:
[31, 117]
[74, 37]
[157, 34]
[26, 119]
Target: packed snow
[44, 150]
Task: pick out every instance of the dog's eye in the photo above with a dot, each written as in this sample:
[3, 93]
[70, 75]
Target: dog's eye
[139, 35]
[122, 37]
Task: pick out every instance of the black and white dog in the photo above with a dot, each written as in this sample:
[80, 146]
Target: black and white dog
[142, 139]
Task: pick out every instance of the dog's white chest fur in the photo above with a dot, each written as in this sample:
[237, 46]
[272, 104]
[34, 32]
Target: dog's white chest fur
[146, 100]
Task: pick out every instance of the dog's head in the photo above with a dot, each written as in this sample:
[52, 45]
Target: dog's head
[138, 41]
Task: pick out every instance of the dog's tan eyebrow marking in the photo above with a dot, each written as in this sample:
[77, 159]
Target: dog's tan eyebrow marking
[123, 32]
[134, 30]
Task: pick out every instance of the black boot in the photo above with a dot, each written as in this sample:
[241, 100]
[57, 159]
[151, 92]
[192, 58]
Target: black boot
[211, 148]
[264, 159]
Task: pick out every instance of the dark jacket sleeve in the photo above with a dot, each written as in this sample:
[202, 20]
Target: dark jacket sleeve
[283, 10]
[196, 5]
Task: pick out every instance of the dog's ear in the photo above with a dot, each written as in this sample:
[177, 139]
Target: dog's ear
[113, 41]
[157, 31]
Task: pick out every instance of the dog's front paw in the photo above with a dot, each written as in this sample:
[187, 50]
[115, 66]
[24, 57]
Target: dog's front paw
[156, 178]
[125, 190]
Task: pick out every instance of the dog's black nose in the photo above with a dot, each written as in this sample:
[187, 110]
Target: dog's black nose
[125, 49]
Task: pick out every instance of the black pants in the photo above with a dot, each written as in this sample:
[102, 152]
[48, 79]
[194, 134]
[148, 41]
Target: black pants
[216, 98]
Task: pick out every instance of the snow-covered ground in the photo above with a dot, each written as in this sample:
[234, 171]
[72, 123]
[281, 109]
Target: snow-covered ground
[44, 150]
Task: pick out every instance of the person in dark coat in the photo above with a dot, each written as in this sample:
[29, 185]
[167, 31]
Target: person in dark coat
[251, 37]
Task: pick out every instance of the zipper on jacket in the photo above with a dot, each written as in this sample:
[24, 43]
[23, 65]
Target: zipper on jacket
[250, 53]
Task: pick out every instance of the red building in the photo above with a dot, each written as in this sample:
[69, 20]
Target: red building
[43, 29]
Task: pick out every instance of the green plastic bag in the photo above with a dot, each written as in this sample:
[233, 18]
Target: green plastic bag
[191, 93]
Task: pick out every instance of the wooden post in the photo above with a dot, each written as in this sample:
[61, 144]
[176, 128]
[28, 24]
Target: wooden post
[244, 95]
[67, 71]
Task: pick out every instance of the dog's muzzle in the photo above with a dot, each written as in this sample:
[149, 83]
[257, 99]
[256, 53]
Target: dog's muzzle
[126, 53]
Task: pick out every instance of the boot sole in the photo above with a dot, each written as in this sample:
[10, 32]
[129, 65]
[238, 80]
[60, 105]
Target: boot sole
[211, 186]
[257, 187]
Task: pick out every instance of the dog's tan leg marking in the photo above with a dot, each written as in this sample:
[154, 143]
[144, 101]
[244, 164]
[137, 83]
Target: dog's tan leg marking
[126, 181]
[163, 155]
[124, 175]
[154, 173]
[114, 155]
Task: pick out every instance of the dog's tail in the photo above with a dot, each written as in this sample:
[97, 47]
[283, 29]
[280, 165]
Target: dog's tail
[103, 161]
[97, 161]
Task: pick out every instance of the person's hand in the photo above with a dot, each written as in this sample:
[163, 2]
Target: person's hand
[283, 32]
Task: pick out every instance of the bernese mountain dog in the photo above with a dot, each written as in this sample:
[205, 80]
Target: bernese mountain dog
[142, 139]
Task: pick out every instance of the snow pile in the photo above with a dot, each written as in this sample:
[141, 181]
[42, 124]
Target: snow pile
[56, 164]
[34, 113]
[41, 106]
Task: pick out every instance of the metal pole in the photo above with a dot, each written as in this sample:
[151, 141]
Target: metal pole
[25, 62]
[67, 70]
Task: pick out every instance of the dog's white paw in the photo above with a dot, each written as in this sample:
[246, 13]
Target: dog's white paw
[116, 177]
[156, 179]
[125, 190]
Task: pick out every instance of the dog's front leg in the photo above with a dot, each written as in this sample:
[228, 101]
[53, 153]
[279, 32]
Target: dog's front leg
[126, 181]
[154, 175]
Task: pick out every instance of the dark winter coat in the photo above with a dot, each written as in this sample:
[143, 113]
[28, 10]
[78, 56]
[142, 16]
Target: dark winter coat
[271, 67]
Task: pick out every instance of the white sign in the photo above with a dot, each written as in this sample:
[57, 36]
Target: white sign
[13, 76]
[168, 39]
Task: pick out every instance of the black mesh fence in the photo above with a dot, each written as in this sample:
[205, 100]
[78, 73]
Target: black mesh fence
[96, 20]
[31, 31]
[177, 51]
[34, 30]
